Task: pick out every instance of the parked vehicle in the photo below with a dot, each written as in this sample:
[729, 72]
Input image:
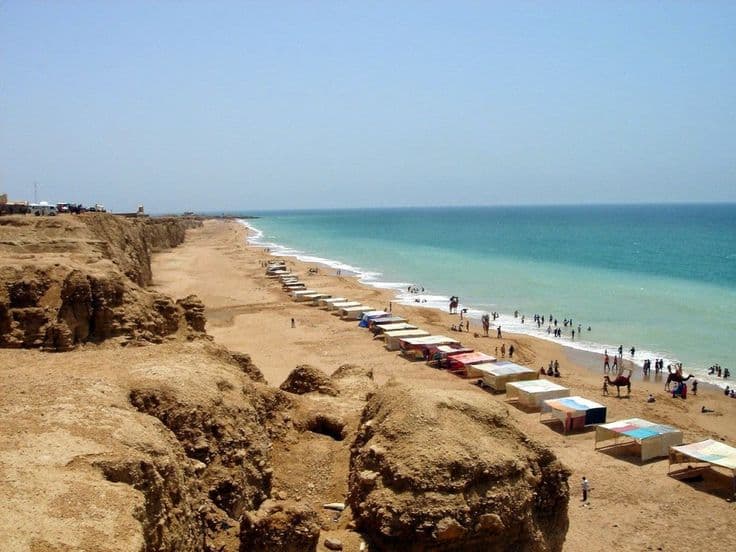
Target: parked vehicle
[42, 209]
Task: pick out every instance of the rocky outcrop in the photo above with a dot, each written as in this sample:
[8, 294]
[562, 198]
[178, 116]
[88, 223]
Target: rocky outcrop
[449, 472]
[227, 441]
[285, 526]
[84, 284]
[307, 379]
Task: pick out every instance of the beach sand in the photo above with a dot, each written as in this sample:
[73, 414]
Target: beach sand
[632, 506]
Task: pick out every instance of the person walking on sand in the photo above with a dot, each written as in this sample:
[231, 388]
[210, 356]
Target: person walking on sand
[695, 387]
[511, 351]
[605, 386]
[503, 350]
[586, 487]
[606, 362]
[498, 332]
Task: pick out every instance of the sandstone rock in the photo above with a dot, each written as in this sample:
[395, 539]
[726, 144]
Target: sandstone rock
[85, 282]
[193, 312]
[448, 470]
[333, 544]
[246, 365]
[283, 526]
[307, 379]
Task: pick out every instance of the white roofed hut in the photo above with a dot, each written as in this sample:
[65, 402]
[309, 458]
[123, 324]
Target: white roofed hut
[392, 339]
[530, 394]
[648, 439]
[504, 372]
[420, 348]
[354, 313]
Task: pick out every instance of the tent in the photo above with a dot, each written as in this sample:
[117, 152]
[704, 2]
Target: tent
[709, 452]
[531, 393]
[575, 412]
[370, 315]
[653, 439]
[392, 338]
[503, 372]
[460, 363]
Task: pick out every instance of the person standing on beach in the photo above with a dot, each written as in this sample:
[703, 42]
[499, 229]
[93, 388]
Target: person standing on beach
[695, 387]
[503, 350]
[293, 323]
[498, 332]
[606, 362]
[586, 487]
[511, 351]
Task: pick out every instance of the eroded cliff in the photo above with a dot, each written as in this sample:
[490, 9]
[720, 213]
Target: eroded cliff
[69, 280]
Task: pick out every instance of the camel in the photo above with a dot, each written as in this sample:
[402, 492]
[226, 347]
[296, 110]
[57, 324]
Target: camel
[676, 376]
[620, 381]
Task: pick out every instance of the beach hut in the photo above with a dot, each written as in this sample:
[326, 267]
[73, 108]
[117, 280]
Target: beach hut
[342, 304]
[500, 373]
[392, 338]
[295, 286]
[531, 393]
[310, 296]
[380, 328]
[459, 363]
[419, 348]
[297, 292]
[370, 315]
[440, 354]
[707, 455]
[385, 320]
[354, 313]
[651, 439]
[575, 412]
[323, 301]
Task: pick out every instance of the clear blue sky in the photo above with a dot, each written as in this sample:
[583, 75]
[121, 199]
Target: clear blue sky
[259, 105]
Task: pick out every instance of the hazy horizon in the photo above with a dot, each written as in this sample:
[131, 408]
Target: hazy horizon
[256, 106]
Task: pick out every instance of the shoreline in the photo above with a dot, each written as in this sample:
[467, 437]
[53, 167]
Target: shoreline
[591, 357]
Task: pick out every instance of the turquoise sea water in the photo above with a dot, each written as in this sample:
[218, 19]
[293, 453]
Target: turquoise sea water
[659, 277]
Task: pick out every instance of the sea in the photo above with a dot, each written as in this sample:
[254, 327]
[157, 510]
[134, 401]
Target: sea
[659, 278]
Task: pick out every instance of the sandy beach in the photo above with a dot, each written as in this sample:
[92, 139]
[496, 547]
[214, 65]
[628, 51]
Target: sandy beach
[633, 506]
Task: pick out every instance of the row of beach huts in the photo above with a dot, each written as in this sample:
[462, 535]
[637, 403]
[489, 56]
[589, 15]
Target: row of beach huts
[521, 384]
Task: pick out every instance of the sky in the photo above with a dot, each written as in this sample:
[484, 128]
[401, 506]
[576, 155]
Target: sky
[225, 106]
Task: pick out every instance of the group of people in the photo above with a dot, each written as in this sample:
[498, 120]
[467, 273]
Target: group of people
[553, 369]
[716, 370]
[730, 392]
[503, 351]
[647, 366]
